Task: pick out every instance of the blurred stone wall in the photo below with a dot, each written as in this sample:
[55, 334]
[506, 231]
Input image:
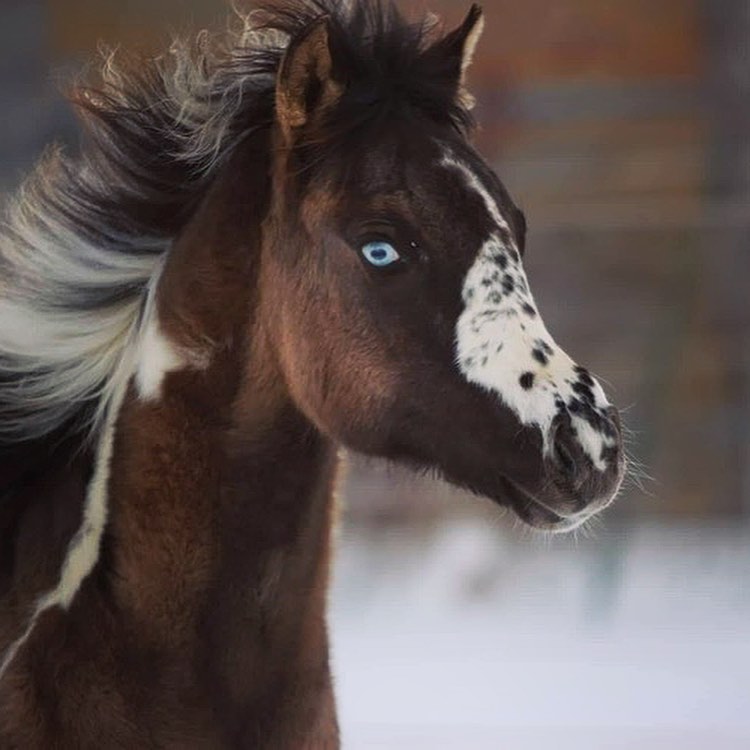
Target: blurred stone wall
[621, 127]
[77, 26]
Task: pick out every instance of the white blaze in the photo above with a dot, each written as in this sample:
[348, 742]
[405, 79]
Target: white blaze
[503, 345]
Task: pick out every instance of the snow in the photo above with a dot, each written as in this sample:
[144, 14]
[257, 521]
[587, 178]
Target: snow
[473, 636]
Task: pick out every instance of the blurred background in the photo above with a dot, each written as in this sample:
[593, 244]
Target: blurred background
[622, 127]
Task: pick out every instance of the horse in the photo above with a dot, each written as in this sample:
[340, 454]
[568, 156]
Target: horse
[273, 242]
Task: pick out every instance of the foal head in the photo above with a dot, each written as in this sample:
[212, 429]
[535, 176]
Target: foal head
[404, 322]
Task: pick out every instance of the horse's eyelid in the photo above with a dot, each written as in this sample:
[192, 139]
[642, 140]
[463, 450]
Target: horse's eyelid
[367, 237]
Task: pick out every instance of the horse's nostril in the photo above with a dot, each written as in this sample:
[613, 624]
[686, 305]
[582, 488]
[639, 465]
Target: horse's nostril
[566, 451]
[613, 419]
[564, 458]
[583, 469]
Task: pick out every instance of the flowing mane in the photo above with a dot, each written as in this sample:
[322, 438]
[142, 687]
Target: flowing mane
[86, 233]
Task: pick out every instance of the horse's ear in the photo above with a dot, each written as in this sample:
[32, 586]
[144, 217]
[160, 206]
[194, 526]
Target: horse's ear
[305, 83]
[457, 49]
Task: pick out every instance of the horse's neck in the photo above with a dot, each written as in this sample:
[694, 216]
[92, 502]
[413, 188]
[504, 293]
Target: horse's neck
[200, 621]
[219, 541]
[220, 492]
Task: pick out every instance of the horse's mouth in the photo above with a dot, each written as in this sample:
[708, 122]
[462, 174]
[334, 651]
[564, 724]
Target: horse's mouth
[538, 515]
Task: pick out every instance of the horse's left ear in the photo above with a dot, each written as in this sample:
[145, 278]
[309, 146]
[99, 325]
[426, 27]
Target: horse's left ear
[305, 83]
[457, 49]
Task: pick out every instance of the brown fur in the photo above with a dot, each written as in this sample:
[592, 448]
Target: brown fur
[204, 623]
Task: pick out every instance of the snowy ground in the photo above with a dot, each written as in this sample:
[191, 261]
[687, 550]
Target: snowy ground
[472, 636]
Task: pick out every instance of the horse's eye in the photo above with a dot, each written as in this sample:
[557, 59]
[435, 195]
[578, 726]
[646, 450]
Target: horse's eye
[380, 253]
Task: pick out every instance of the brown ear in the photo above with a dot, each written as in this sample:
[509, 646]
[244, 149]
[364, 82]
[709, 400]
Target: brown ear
[468, 35]
[304, 83]
[458, 47]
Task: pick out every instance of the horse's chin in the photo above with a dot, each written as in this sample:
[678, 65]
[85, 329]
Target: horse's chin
[538, 515]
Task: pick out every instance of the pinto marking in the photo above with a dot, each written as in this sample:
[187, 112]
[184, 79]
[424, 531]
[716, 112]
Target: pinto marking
[85, 546]
[158, 356]
[503, 345]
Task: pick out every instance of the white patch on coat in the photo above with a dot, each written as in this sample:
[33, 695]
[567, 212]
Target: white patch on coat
[503, 345]
[157, 356]
[84, 548]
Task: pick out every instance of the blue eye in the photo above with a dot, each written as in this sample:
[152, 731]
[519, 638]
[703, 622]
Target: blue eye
[380, 253]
